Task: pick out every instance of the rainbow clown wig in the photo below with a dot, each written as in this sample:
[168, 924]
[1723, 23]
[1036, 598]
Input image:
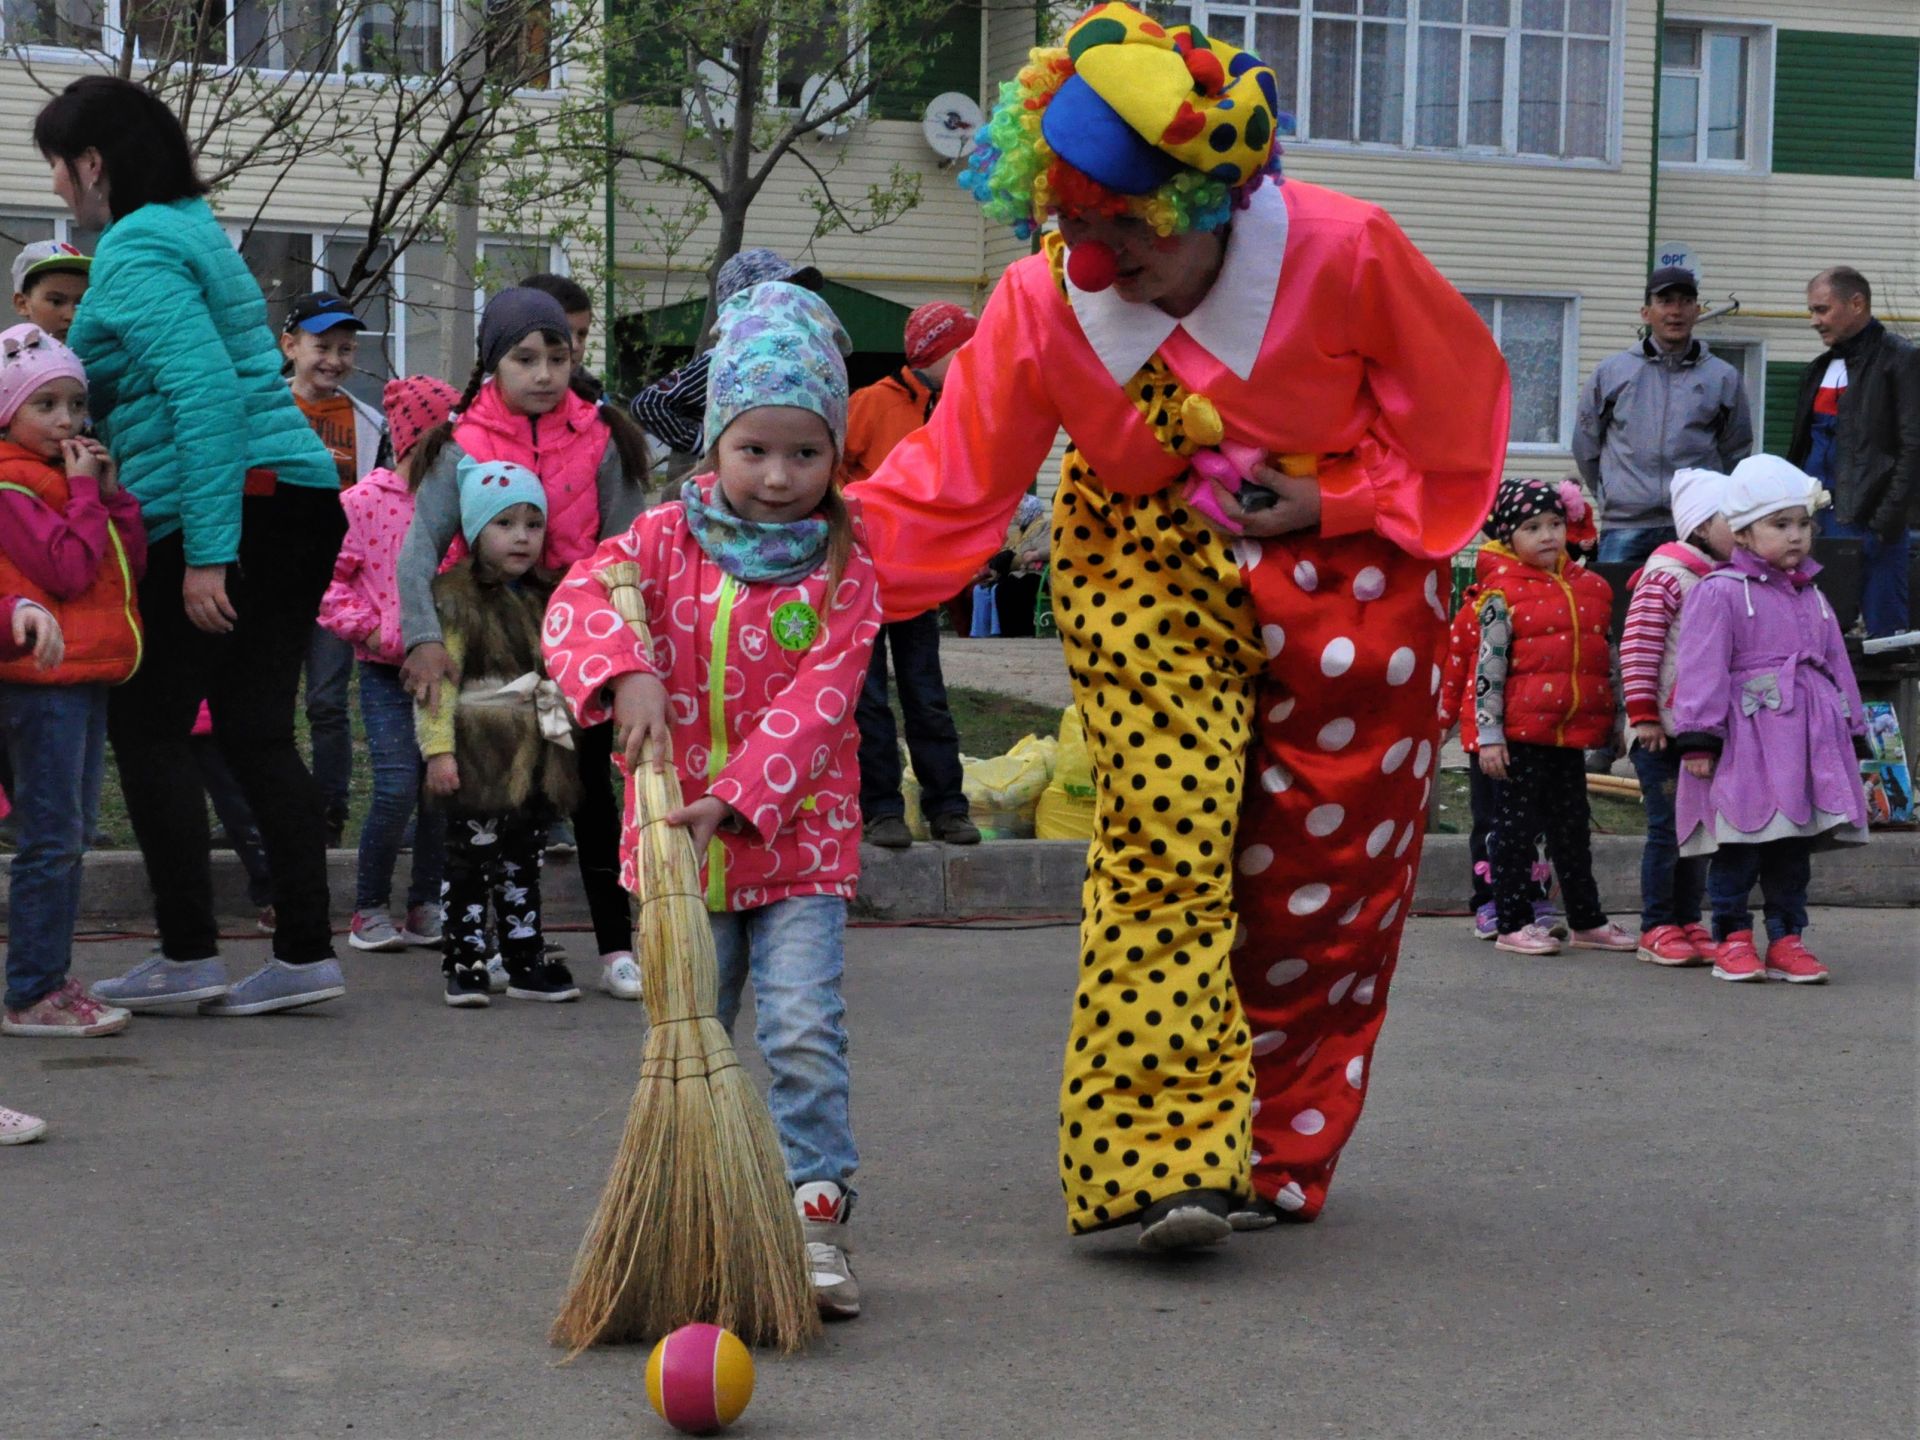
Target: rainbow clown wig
[1128, 118]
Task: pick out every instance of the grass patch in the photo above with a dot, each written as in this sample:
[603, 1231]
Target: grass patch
[992, 724]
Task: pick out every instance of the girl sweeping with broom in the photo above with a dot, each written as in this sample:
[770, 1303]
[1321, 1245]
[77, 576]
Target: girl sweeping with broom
[761, 604]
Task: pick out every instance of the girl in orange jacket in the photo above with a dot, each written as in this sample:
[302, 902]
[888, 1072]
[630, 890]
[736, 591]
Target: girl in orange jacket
[72, 544]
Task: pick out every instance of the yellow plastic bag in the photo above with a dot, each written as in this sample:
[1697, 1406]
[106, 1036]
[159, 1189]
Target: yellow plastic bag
[1073, 763]
[1003, 793]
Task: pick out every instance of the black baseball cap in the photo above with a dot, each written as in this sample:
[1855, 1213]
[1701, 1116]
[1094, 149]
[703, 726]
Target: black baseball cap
[1672, 277]
[320, 312]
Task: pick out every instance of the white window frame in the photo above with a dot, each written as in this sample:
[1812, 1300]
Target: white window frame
[1508, 153]
[1569, 362]
[62, 221]
[346, 44]
[1757, 392]
[1759, 98]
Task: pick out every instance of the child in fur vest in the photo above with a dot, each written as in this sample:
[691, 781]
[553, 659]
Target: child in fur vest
[499, 751]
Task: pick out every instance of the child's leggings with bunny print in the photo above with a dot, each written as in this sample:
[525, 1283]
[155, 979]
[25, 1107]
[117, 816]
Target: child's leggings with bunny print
[494, 858]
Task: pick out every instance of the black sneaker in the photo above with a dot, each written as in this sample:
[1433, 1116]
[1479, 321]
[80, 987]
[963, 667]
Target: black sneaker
[467, 987]
[889, 832]
[957, 829]
[1187, 1221]
[547, 980]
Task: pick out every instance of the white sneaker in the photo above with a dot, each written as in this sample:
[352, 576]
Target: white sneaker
[823, 1217]
[17, 1128]
[620, 974]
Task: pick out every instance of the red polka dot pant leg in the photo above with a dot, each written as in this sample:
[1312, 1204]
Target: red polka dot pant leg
[1338, 782]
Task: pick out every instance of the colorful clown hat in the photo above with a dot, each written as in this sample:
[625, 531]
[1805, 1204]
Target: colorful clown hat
[1145, 100]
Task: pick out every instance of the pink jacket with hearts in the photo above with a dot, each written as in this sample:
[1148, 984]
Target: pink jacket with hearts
[783, 750]
[362, 605]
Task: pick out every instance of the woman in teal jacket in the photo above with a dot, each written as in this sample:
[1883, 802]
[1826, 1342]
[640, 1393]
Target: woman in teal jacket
[243, 516]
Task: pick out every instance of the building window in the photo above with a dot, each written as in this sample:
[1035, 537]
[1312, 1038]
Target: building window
[1749, 357]
[391, 37]
[1493, 77]
[406, 315]
[19, 231]
[1536, 333]
[1709, 94]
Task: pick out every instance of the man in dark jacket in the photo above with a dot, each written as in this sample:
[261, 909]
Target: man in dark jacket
[1856, 429]
[1664, 405]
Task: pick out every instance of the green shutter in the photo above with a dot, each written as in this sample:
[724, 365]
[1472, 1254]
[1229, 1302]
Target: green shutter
[1845, 104]
[1783, 397]
[875, 324]
[953, 63]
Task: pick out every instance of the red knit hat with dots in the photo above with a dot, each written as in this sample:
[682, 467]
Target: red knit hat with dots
[935, 330]
[414, 405]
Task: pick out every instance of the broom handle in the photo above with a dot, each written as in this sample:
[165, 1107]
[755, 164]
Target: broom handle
[679, 974]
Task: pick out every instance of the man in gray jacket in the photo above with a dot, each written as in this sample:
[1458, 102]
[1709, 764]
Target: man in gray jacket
[1664, 405]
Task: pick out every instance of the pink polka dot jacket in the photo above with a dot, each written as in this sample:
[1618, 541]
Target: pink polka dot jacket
[362, 605]
[763, 679]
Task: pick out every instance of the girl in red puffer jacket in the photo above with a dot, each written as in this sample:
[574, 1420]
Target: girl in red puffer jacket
[1542, 696]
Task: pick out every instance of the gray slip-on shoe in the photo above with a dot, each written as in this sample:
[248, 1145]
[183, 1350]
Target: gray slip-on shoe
[280, 986]
[157, 981]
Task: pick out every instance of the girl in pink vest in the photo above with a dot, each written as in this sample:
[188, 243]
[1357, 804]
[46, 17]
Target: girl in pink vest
[524, 402]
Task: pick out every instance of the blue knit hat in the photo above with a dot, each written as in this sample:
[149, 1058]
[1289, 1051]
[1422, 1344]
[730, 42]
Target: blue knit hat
[777, 344]
[489, 486]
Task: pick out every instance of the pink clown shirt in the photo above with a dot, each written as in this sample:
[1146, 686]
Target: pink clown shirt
[362, 605]
[1327, 333]
[762, 679]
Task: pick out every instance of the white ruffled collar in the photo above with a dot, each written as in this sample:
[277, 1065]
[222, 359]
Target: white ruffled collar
[1230, 323]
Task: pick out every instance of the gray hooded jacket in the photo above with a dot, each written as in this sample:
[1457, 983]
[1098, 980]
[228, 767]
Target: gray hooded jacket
[1645, 414]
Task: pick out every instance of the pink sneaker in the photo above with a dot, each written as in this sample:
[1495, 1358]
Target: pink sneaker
[1529, 940]
[1606, 937]
[1737, 960]
[1789, 959]
[1703, 942]
[19, 1129]
[69, 1013]
[1667, 945]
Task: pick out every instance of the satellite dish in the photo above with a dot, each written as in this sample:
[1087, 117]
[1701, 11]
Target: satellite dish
[722, 95]
[821, 94]
[949, 124]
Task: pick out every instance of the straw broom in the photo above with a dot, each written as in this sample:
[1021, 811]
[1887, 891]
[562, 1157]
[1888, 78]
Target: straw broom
[697, 1221]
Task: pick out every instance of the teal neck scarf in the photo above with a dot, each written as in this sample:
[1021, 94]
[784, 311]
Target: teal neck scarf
[756, 551]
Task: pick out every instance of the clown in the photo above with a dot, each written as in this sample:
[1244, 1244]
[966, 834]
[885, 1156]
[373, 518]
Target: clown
[1283, 421]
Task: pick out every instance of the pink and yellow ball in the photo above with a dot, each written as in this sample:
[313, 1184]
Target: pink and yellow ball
[699, 1379]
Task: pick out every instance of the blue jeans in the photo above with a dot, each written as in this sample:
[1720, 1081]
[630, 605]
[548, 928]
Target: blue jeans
[329, 673]
[1783, 868]
[1622, 545]
[1670, 887]
[56, 737]
[387, 711]
[795, 951]
[1885, 601]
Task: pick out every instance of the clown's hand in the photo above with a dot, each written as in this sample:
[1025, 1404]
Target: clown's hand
[1296, 503]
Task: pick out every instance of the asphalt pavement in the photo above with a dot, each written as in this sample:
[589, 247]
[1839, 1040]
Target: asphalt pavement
[1589, 1200]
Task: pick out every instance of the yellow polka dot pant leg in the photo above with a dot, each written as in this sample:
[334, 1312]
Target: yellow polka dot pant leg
[1164, 656]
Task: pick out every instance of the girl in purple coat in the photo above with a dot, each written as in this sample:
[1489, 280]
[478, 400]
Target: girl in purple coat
[1768, 716]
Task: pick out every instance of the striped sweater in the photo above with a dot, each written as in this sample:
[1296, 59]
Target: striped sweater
[1650, 638]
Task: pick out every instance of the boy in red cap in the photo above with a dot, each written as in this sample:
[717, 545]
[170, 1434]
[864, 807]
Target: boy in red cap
[879, 417]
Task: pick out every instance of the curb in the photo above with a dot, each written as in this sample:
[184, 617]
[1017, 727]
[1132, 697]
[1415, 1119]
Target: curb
[1023, 878]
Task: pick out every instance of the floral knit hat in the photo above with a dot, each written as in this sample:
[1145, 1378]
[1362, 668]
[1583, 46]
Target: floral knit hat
[777, 344]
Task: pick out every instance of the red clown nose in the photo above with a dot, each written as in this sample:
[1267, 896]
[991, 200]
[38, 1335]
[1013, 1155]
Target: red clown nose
[1092, 266]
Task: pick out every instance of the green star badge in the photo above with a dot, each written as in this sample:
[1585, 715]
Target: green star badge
[796, 625]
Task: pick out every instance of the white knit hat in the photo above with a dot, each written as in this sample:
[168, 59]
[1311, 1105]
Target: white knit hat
[1697, 498]
[1763, 485]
